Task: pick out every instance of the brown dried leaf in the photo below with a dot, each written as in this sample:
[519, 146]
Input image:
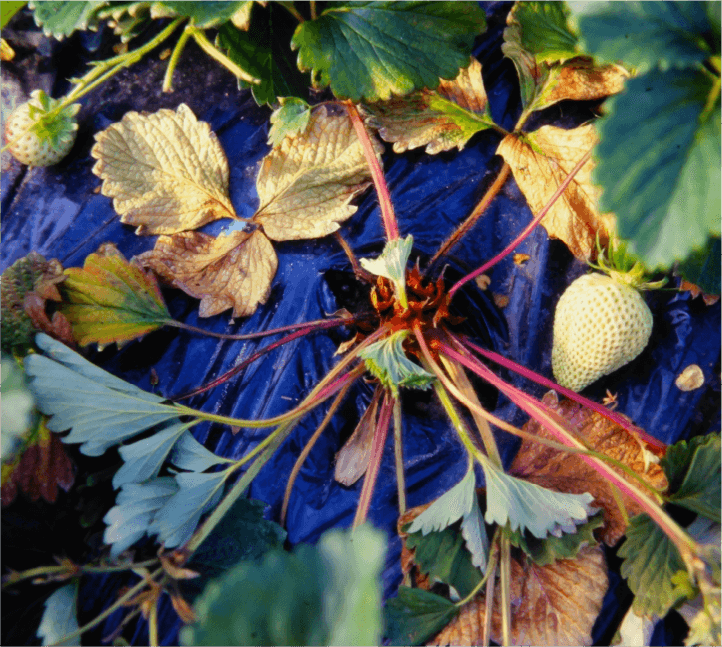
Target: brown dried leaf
[565, 472]
[165, 171]
[580, 80]
[352, 460]
[230, 271]
[550, 605]
[306, 182]
[58, 327]
[709, 299]
[541, 165]
[439, 119]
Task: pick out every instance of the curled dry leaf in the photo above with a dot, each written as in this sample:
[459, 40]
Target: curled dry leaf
[439, 119]
[690, 378]
[231, 271]
[580, 80]
[550, 605]
[565, 472]
[165, 171]
[540, 163]
[352, 460]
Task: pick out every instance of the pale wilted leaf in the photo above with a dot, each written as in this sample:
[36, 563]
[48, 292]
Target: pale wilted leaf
[439, 119]
[551, 605]
[352, 460]
[165, 171]
[307, 182]
[231, 271]
[541, 164]
[569, 473]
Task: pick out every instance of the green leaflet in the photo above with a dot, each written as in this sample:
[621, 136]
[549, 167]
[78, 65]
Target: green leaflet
[650, 562]
[391, 264]
[702, 267]
[288, 120]
[371, 50]
[60, 617]
[189, 454]
[659, 164]
[327, 594]
[414, 616]
[8, 10]
[60, 19]
[545, 30]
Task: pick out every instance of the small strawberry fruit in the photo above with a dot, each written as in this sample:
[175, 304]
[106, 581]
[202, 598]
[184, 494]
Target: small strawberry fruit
[37, 138]
[601, 323]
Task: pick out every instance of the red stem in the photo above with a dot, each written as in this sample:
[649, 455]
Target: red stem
[529, 228]
[377, 450]
[617, 418]
[263, 333]
[377, 174]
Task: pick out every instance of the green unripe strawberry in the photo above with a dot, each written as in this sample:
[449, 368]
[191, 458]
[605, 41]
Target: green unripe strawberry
[37, 138]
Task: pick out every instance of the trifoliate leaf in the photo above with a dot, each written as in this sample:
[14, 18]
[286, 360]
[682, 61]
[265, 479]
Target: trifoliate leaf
[207, 14]
[550, 549]
[693, 470]
[648, 34]
[702, 269]
[306, 183]
[540, 163]
[197, 493]
[144, 458]
[650, 562]
[659, 164]
[439, 119]
[100, 409]
[414, 616]
[387, 361]
[371, 50]
[392, 262]
[165, 171]
[60, 19]
[189, 454]
[288, 120]
[328, 594]
[60, 617]
[234, 270]
[112, 300]
[135, 506]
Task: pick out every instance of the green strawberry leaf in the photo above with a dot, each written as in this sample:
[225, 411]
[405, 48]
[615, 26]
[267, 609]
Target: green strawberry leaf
[289, 119]
[60, 617]
[650, 562]
[189, 454]
[372, 50]
[548, 550]
[414, 616]
[702, 267]
[327, 594]
[111, 300]
[647, 34]
[659, 164]
[692, 469]
[60, 19]
[205, 14]
[545, 30]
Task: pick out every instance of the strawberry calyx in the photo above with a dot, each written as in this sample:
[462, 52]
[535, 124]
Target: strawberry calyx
[622, 266]
[53, 123]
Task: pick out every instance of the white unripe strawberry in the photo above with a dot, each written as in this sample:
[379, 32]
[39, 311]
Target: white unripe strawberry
[601, 323]
[38, 141]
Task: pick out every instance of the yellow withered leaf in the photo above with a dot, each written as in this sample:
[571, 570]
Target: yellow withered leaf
[540, 164]
[234, 270]
[165, 171]
[579, 79]
[307, 182]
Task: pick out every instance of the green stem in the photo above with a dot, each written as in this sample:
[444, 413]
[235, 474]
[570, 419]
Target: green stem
[399, 457]
[39, 571]
[313, 10]
[153, 626]
[219, 56]
[505, 577]
[174, 59]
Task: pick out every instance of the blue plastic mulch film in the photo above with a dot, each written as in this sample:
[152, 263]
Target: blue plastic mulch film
[59, 213]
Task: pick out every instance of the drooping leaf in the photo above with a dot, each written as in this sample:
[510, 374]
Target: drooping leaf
[60, 19]
[553, 605]
[568, 473]
[693, 471]
[143, 459]
[540, 163]
[208, 14]
[290, 119]
[189, 454]
[40, 467]
[60, 617]
[328, 594]
[100, 409]
[414, 616]
[659, 164]
[135, 506]
[439, 119]
[165, 171]
[353, 458]
[371, 50]
[650, 562]
[702, 269]
[234, 270]
[112, 300]
[306, 183]
[648, 34]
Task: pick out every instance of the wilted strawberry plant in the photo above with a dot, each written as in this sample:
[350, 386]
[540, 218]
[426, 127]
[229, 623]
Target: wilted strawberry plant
[581, 474]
